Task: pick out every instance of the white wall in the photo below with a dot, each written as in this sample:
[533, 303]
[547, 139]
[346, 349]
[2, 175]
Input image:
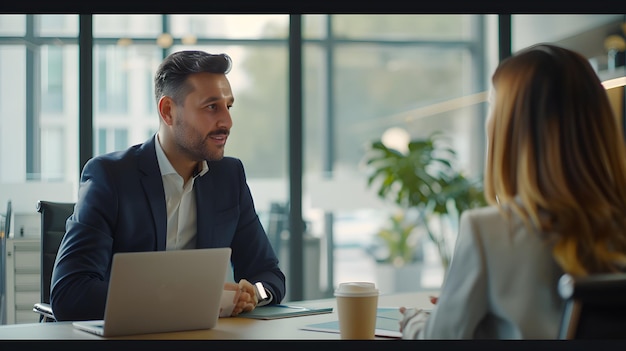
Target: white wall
[532, 29]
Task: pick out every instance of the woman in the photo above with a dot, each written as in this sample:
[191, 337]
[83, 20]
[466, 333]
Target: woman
[555, 180]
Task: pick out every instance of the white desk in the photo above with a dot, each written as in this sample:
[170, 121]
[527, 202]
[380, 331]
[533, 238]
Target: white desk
[226, 329]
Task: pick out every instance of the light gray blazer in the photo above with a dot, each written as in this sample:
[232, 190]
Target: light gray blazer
[501, 284]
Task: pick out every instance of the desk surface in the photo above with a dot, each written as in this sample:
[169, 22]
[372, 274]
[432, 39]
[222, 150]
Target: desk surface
[226, 329]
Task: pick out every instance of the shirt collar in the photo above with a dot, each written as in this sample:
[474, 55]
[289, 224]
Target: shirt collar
[205, 168]
[166, 167]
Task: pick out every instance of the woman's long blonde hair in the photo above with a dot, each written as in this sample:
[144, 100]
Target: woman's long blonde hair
[557, 157]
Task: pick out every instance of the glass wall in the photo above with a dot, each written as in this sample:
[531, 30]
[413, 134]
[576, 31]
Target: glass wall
[38, 112]
[365, 75]
[362, 75]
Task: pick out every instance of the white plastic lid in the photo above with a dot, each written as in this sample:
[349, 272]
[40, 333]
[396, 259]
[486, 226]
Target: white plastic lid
[356, 289]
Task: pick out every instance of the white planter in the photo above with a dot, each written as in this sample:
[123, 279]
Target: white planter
[392, 279]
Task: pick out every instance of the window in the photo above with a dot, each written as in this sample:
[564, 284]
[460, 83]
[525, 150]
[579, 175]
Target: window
[111, 139]
[52, 79]
[361, 75]
[112, 67]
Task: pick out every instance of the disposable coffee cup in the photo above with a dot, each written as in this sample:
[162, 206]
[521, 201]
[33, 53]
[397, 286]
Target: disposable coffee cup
[357, 303]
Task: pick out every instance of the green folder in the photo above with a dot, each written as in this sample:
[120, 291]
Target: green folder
[283, 311]
[387, 323]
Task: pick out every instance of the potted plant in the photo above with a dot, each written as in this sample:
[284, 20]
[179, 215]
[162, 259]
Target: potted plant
[425, 179]
[398, 242]
[397, 250]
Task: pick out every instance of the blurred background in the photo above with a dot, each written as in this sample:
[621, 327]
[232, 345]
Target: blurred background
[313, 92]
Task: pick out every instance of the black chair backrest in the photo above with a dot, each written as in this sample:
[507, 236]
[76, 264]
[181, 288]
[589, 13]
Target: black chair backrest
[53, 217]
[595, 307]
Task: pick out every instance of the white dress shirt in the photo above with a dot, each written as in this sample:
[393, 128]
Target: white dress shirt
[181, 203]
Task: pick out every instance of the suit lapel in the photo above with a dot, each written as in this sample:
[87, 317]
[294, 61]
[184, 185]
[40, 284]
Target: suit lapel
[152, 183]
[204, 221]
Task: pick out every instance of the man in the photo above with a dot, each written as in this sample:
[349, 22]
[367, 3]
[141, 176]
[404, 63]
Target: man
[175, 191]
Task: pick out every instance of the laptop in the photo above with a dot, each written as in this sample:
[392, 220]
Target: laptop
[162, 291]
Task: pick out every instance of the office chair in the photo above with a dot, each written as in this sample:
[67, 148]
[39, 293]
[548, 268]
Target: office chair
[595, 307]
[53, 217]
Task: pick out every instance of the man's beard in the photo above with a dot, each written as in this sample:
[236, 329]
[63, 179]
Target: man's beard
[199, 150]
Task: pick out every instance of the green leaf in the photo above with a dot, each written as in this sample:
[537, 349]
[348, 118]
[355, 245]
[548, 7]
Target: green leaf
[426, 178]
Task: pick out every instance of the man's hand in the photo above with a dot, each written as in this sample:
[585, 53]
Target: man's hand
[245, 299]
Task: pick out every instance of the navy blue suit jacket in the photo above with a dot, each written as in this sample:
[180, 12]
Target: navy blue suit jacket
[121, 208]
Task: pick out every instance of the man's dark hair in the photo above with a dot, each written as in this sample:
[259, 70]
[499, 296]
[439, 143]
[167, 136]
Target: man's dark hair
[171, 76]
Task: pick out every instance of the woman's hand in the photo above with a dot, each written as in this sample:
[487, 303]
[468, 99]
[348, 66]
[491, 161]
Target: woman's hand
[407, 314]
[413, 321]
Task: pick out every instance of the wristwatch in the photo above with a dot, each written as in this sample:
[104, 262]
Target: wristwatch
[261, 294]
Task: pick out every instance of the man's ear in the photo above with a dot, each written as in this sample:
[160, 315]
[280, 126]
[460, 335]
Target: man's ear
[166, 106]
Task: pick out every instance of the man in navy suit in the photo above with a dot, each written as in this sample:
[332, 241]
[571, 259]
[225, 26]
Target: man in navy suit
[175, 191]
